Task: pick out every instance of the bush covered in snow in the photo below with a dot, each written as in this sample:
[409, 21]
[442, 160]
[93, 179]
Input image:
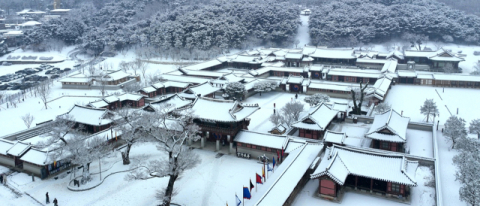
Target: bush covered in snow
[350, 22]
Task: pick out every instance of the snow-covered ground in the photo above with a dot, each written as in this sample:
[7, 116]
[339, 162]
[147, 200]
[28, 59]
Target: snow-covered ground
[302, 33]
[409, 99]
[213, 182]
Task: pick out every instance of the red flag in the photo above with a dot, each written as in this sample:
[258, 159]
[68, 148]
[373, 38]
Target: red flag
[251, 185]
[283, 153]
[278, 155]
[259, 179]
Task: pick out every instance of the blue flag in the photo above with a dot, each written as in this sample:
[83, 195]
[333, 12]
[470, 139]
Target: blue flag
[238, 200]
[246, 193]
[273, 162]
[268, 168]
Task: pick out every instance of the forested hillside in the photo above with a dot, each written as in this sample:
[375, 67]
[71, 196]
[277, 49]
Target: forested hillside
[349, 22]
[170, 26]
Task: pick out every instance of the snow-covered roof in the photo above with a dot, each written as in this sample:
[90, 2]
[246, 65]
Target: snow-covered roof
[381, 87]
[309, 50]
[5, 145]
[317, 68]
[248, 59]
[294, 56]
[341, 107]
[60, 10]
[261, 139]
[186, 79]
[295, 79]
[390, 66]
[98, 104]
[222, 110]
[406, 73]
[287, 176]
[317, 118]
[131, 97]
[264, 70]
[372, 61]
[364, 73]
[18, 149]
[416, 53]
[148, 89]
[116, 75]
[111, 99]
[339, 162]
[457, 77]
[88, 115]
[201, 73]
[389, 126]
[13, 33]
[395, 53]
[334, 137]
[3, 169]
[273, 64]
[36, 157]
[202, 89]
[31, 23]
[174, 100]
[332, 53]
[331, 86]
[444, 55]
[175, 84]
[76, 79]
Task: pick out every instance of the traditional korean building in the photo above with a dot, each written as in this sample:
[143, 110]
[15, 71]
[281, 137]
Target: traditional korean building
[279, 129]
[379, 90]
[334, 56]
[124, 100]
[389, 131]
[435, 59]
[6, 159]
[99, 104]
[149, 91]
[315, 123]
[202, 90]
[293, 58]
[221, 119]
[17, 150]
[113, 78]
[297, 84]
[93, 119]
[174, 101]
[385, 174]
[354, 75]
[41, 164]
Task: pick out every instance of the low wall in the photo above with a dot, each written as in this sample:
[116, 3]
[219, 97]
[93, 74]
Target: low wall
[107, 87]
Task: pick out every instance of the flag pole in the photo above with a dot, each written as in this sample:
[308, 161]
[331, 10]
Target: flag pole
[243, 198]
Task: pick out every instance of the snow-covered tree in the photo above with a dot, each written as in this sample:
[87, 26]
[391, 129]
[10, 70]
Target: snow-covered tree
[28, 120]
[131, 88]
[317, 99]
[264, 86]
[43, 90]
[129, 124]
[170, 136]
[382, 107]
[276, 118]
[429, 108]
[454, 129]
[476, 69]
[468, 162]
[358, 95]
[474, 127]
[448, 68]
[235, 90]
[291, 112]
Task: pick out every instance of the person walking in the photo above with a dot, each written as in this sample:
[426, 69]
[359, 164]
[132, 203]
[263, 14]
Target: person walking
[296, 96]
[55, 202]
[48, 199]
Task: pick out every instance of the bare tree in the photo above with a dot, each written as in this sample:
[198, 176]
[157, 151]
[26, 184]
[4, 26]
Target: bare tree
[276, 118]
[170, 135]
[455, 129]
[416, 40]
[139, 65]
[92, 70]
[448, 68]
[358, 94]
[296, 42]
[133, 87]
[43, 91]
[317, 99]
[476, 68]
[28, 120]
[382, 108]
[123, 66]
[429, 108]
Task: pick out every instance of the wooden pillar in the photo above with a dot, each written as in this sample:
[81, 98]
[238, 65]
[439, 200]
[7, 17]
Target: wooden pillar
[356, 181]
[371, 185]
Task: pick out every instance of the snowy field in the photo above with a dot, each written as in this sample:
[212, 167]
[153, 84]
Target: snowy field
[421, 195]
[213, 182]
[409, 99]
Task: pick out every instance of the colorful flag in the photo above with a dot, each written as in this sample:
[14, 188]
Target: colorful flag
[278, 155]
[246, 193]
[251, 185]
[268, 168]
[238, 200]
[259, 179]
[263, 171]
[273, 162]
[282, 153]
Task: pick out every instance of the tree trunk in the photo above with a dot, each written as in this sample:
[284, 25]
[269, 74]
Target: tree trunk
[428, 115]
[126, 155]
[171, 181]
[45, 105]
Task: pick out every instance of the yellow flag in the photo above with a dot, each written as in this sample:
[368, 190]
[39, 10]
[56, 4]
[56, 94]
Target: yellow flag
[263, 172]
